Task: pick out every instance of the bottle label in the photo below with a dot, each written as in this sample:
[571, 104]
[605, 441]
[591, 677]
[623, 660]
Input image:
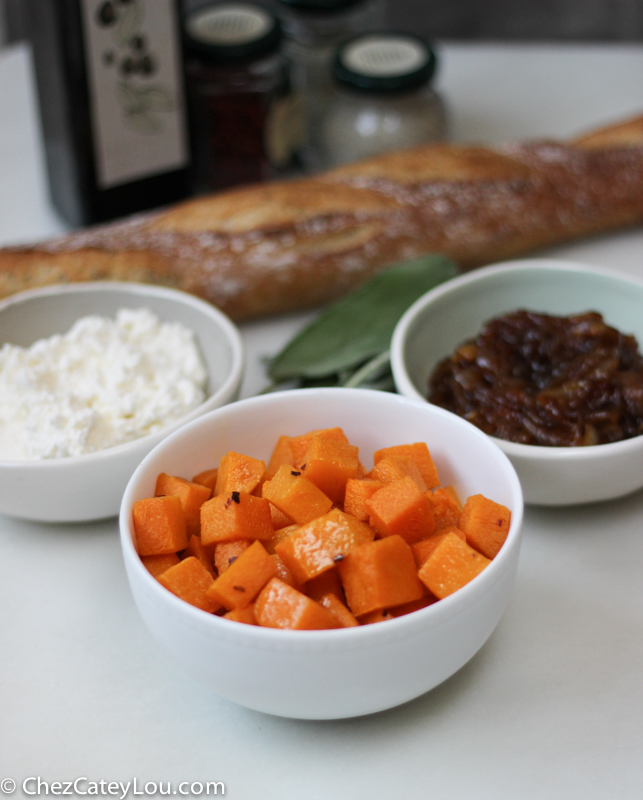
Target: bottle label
[135, 88]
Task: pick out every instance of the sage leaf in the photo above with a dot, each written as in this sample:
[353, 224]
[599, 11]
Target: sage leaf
[359, 327]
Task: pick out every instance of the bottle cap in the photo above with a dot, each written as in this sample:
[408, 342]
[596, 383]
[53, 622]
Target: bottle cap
[385, 62]
[230, 31]
[320, 5]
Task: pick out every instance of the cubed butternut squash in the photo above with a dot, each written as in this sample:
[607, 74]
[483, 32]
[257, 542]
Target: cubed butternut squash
[296, 496]
[329, 463]
[446, 507]
[204, 554]
[358, 491]
[207, 478]
[190, 581]
[318, 545]
[282, 606]
[283, 573]
[279, 519]
[282, 454]
[244, 579]
[423, 549]
[279, 536]
[245, 615]
[418, 452]
[192, 497]
[341, 613]
[485, 524]
[157, 565]
[379, 575]
[451, 566]
[401, 508]
[239, 473]
[326, 583]
[238, 515]
[226, 553]
[415, 605]
[393, 467]
[159, 525]
[299, 444]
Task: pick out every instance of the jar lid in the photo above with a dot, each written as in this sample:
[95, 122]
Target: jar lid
[228, 31]
[385, 62]
[321, 5]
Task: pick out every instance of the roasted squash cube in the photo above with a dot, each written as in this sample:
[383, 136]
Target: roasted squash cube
[379, 575]
[326, 583]
[296, 496]
[358, 491]
[329, 463]
[420, 453]
[245, 615]
[190, 581]
[451, 566]
[207, 478]
[192, 497]
[485, 524]
[423, 549]
[239, 473]
[299, 444]
[394, 467]
[244, 579]
[226, 518]
[226, 553]
[401, 508]
[281, 606]
[282, 454]
[341, 613]
[446, 507]
[159, 525]
[318, 545]
[157, 565]
[204, 554]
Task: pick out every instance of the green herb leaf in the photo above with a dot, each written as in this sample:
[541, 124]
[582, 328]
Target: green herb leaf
[360, 325]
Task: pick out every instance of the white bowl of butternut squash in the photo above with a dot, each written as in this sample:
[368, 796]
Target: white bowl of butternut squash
[323, 553]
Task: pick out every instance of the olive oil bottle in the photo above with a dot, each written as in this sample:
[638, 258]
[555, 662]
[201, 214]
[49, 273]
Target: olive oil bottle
[112, 103]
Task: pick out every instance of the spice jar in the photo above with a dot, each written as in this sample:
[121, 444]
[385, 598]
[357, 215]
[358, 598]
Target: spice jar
[244, 118]
[313, 30]
[383, 99]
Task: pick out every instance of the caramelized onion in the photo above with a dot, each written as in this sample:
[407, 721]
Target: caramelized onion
[538, 379]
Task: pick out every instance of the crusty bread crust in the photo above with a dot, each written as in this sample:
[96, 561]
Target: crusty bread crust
[281, 247]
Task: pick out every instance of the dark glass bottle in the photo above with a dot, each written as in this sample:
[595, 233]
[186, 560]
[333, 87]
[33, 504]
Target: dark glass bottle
[112, 103]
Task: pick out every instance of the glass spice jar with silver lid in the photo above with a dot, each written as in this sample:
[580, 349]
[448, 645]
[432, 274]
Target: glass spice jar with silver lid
[246, 122]
[383, 98]
[313, 30]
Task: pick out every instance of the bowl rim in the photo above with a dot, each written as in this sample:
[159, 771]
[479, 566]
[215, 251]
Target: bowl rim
[230, 333]
[255, 636]
[406, 387]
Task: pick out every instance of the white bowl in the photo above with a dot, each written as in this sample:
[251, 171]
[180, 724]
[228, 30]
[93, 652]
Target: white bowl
[337, 673]
[454, 312]
[91, 486]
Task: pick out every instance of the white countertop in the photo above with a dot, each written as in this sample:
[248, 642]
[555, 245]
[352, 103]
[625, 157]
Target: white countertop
[551, 707]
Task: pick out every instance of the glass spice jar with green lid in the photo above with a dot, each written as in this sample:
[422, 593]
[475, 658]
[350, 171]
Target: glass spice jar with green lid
[383, 98]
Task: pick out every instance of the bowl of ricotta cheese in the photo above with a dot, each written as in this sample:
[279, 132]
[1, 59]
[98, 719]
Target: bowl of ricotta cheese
[92, 377]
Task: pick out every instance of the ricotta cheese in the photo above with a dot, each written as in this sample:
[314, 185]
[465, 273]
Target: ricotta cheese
[104, 383]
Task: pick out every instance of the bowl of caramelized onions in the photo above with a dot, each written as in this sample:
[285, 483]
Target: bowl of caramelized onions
[543, 356]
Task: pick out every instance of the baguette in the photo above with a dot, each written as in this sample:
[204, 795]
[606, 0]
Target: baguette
[281, 247]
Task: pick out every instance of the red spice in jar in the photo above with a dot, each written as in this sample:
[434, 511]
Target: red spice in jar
[244, 118]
